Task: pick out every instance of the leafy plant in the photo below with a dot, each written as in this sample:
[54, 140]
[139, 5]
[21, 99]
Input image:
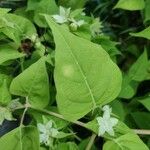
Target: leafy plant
[71, 79]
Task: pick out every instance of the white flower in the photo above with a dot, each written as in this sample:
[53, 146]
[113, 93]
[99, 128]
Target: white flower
[106, 123]
[63, 15]
[46, 132]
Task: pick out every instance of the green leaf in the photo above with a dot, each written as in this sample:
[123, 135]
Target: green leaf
[144, 33]
[44, 7]
[62, 135]
[139, 70]
[32, 4]
[118, 109]
[8, 52]
[33, 83]
[85, 76]
[146, 102]
[147, 11]
[5, 96]
[128, 141]
[5, 77]
[108, 45]
[142, 119]
[13, 141]
[74, 4]
[67, 146]
[130, 4]
[23, 28]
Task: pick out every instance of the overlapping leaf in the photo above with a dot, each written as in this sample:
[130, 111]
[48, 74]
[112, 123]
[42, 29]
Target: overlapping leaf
[144, 33]
[8, 52]
[128, 141]
[33, 83]
[13, 141]
[130, 4]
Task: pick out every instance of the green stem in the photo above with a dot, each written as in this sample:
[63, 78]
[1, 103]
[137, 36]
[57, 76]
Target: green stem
[21, 122]
[21, 63]
[79, 123]
[78, 138]
[59, 116]
[91, 142]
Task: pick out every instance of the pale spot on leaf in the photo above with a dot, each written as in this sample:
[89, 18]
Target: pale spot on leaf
[68, 70]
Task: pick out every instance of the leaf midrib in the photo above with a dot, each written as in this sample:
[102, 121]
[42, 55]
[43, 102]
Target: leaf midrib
[82, 73]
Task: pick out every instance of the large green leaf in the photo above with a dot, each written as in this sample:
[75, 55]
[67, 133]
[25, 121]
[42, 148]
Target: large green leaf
[33, 83]
[130, 4]
[125, 142]
[5, 96]
[8, 52]
[13, 141]
[21, 27]
[85, 76]
[145, 33]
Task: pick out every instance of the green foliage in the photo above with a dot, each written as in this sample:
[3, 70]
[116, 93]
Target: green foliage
[127, 141]
[137, 72]
[144, 34]
[28, 140]
[9, 52]
[5, 96]
[33, 83]
[145, 102]
[131, 5]
[74, 75]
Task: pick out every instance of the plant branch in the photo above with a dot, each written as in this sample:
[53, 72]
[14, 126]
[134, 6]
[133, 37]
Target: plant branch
[142, 131]
[21, 122]
[91, 142]
[79, 123]
[59, 116]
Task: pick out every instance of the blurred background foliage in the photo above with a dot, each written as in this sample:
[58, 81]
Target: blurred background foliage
[130, 52]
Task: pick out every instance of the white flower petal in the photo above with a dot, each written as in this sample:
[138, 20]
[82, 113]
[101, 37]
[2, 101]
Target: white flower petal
[102, 130]
[41, 127]
[49, 125]
[62, 11]
[80, 22]
[44, 138]
[106, 123]
[99, 119]
[111, 132]
[114, 121]
[59, 19]
[68, 12]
